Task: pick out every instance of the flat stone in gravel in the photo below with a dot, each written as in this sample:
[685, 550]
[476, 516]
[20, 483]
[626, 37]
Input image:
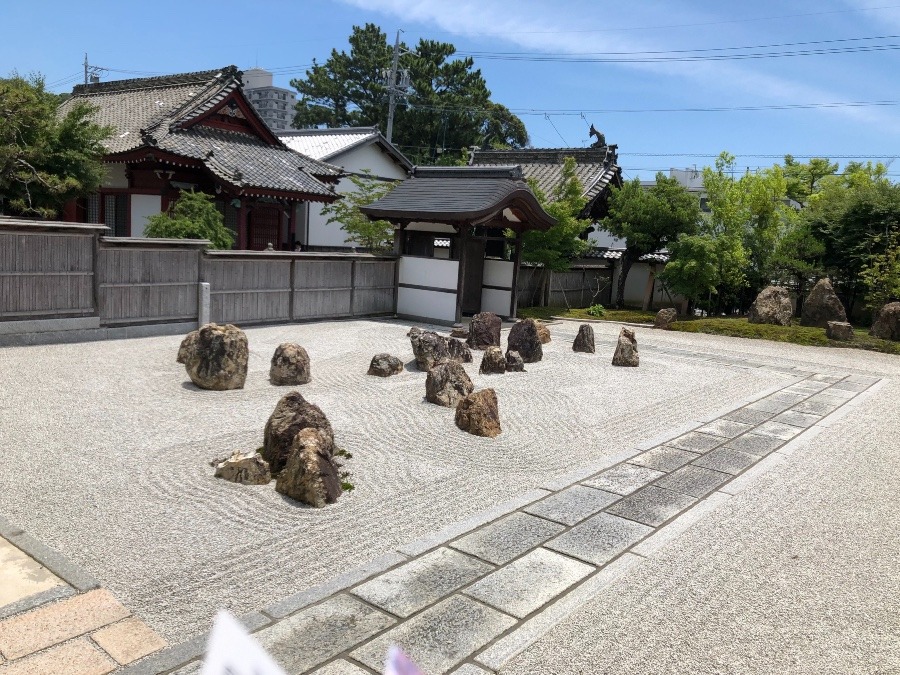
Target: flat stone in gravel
[505, 539]
[530, 582]
[755, 444]
[321, 632]
[727, 460]
[693, 480]
[695, 442]
[770, 405]
[572, 505]
[778, 430]
[340, 667]
[419, 583]
[797, 419]
[600, 538]
[440, 637]
[819, 405]
[664, 458]
[847, 385]
[652, 505]
[749, 416]
[725, 428]
[624, 478]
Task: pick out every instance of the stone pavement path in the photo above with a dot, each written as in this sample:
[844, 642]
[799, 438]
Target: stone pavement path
[471, 597]
[54, 618]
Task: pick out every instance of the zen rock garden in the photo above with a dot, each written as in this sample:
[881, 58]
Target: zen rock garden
[298, 448]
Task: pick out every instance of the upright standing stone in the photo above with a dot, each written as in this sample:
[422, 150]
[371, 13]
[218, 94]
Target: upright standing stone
[838, 330]
[311, 475]
[215, 357]
[772, 305]
[887, 323]
[484, 330]
[543, 332]
[665, 318]
[822, 305]
[523, 338]
[584, 341]
[290, 365]
[479, 414]
[429, 349]
[458, 351]
[447, 383]
[493, 362]
[514, 363]
[292, 414]
[626, 349]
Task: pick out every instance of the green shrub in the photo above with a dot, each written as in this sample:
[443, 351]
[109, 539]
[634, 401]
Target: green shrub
[596, 310]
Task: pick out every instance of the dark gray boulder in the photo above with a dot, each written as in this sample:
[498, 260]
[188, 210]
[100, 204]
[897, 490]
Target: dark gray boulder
[385, 365]
[493, 362]
[514, 363]
[821, 306]
[584, 341]
[484, 330]
[773, 306]
[525, 339]
[447, 383]
[292, 414]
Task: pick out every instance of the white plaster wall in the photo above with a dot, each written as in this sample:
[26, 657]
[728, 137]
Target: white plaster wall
[495, 301]
[426, 304]
[323, 233]
[142, 207]
[604, 238]
[429, 272]
[636, 285]
[115, 176]
[498, 273]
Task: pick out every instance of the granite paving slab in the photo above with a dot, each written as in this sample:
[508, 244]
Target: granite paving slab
[725, 428]
[797, 419]
[847, 385]
[778, 430]
[693, 480]
[320, 632]
[600, 538]
[749, 415]
[695, 442]
[624, 478]
[652, 505]
[836, 392]
[664, 458]
[341, 667]
[819, 405]
[508, 538]
[769, 405]
[470, 669]
[727, 460]
[530, 582]
[440, 637]
[572, 505]
[420, 582]
[754, 444]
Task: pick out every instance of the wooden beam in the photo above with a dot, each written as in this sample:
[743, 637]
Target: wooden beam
[461, 271]
[514, 293]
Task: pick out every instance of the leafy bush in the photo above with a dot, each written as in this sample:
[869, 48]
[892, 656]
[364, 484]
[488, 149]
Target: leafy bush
[192, 216]
[596, 310]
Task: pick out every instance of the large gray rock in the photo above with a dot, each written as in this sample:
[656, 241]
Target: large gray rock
[665, 318]
[839, 330]
[311, 475]
[772, 305]
[292, 415]
[525, 339]
[821, 306]
[478, 414]
[484, 330]
[385, 365]
[290, 365]
[584, 341]
[246, 468]
[447, 383]
[887, 323]
[514, 363]
[493, 362]
[458, 351]
[429, 348]
[626, 353]
[215, 357]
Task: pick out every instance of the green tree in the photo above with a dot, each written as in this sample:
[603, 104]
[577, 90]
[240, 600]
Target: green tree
[555, 248]
[798, 258]
[882, 274]
[448, 107]
[45, 159]
[803, 179]
[649, 220]
[192, 216]
[374, 235]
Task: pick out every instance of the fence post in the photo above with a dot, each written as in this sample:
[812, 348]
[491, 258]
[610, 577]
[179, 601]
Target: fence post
[202, 303]
[353, 288]
[293, 278]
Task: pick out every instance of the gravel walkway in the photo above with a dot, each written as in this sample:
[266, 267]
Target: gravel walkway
[107, 444]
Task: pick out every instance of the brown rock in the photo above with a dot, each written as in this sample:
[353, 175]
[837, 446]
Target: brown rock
[493, 362]
[292, 414]
[524, 338]
[665, 318]
[429, 349]
[887, 323]
[478, 414]
[216, 357]
[772, 305]
[821, 306]
[244, 468]
[458, 351]
[460, 331]
[484, 331]
[626, 349]
[385, 365]
[514, 363]
[543, 331]
[311, 475]
[837, 330]
[290, 365]
[447, 383]
[584, 341]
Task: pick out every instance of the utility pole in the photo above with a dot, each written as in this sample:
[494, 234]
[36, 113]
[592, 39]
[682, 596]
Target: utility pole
[392, 88]
[85, 69]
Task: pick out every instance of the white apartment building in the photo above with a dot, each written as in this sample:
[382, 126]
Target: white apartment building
[274, 104]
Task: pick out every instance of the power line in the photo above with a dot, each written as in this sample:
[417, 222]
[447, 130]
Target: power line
[822, 155]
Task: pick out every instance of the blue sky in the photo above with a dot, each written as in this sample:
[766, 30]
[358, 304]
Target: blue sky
[165, 36]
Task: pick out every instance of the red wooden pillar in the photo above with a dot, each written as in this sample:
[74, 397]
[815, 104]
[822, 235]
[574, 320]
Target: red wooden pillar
[242, 225]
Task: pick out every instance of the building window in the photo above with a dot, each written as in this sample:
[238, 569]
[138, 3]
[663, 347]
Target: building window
[115, 214]
[93, 208]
